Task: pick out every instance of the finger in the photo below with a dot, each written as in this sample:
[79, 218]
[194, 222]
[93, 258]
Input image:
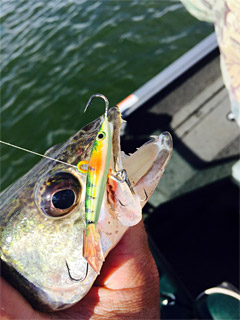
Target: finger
[14, 306]
[130, 263]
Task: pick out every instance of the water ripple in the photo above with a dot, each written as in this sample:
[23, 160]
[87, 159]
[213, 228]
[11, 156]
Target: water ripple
[56, 53]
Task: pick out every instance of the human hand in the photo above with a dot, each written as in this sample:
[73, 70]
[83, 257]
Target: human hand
[127, 288]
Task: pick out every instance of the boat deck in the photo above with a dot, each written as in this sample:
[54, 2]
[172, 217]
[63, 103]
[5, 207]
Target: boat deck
[192, 217]
[194, 109]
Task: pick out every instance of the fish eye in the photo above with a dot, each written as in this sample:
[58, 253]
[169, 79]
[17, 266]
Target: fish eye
[101, 135]
[63, 199]
[59, 194]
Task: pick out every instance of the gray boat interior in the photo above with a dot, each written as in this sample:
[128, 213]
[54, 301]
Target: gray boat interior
[193, 217]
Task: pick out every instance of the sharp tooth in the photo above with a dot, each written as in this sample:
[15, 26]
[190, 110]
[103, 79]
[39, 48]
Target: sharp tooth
[124, 155]
[155, 137]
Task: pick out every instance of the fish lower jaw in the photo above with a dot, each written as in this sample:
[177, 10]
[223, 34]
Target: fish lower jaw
[49, 297]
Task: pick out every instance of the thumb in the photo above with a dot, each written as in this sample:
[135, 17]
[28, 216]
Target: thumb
[130, 264]
[14, 306]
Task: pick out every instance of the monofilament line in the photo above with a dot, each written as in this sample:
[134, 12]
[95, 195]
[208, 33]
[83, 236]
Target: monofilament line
[37, 154]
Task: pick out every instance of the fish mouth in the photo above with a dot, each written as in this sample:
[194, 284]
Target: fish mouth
[146, 165]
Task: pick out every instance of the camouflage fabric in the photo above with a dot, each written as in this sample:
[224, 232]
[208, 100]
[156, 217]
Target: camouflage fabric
[226, 18]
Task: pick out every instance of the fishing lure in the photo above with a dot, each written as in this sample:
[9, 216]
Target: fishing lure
[97, 174]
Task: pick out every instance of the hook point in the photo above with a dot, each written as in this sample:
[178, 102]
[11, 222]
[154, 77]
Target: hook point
[98, 95]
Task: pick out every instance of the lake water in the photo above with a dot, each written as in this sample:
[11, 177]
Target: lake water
[55, 54]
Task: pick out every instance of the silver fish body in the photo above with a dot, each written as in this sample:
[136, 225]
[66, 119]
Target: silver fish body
[42, 224]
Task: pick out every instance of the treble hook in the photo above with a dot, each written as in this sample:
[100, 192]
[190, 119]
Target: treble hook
[98, 95]
[74, 279]
[121, 176]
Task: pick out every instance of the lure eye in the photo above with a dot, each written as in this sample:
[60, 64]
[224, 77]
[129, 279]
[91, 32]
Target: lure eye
[101, 135]
[59, 194]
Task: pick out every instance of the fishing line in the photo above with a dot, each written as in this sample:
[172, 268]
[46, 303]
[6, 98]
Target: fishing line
[37, 154]
[97, 95]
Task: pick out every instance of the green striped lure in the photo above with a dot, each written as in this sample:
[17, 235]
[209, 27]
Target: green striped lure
[97, 174]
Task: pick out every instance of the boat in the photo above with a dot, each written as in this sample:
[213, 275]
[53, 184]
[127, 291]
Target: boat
[193, 217]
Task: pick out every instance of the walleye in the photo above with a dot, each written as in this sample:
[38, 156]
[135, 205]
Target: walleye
[42, 215]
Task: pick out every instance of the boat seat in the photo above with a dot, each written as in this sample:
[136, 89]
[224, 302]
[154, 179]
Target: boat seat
[222, 302]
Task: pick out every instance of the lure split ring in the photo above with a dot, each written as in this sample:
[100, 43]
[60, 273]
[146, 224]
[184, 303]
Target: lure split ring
[121, 176]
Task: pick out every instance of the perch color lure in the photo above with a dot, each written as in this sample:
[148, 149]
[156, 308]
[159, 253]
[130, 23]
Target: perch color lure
[97, 173]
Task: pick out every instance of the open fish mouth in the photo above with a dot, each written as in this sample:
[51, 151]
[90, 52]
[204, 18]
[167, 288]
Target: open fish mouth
[146, 165]
[41, 236]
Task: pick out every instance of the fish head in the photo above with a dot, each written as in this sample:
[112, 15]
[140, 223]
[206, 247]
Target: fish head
[42, 215]
[42, 220]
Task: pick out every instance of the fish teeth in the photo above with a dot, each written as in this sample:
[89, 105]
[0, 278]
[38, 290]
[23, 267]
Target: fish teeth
[124, 155]
[154, 137]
